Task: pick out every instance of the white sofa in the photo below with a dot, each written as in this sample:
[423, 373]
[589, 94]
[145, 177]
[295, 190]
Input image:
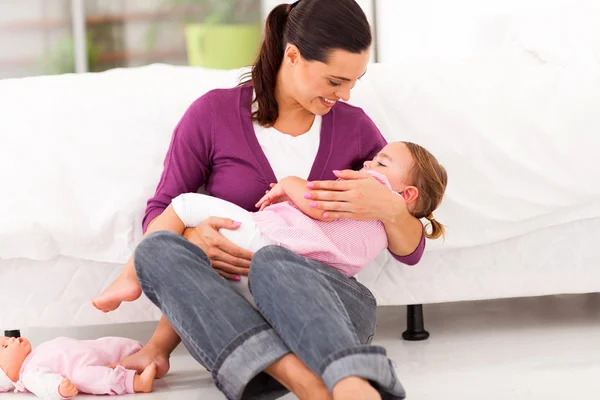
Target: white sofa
[81, 154]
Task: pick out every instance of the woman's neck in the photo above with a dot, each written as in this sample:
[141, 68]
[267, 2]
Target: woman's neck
[293, 119]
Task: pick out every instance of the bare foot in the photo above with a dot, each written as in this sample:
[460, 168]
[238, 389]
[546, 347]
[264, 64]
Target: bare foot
[143, 383]
[292, 373]
[146, 356]
[354, 388]
[123, 289]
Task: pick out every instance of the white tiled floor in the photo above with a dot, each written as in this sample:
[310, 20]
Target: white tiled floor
[534, 348]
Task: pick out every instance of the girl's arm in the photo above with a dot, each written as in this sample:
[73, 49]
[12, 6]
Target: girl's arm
[295, 189]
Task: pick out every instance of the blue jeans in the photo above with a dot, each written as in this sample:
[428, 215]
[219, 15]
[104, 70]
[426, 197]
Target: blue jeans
[304, 307]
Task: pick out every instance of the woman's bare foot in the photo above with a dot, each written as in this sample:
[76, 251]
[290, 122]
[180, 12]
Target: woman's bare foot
[354, 388]
[145, 357]
[125, 288]
[292, 373]
[143, 383]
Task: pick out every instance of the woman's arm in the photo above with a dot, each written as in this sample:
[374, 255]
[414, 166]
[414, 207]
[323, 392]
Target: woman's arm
[404, 232]
[186, 165]
[186, 168]
[359, 196]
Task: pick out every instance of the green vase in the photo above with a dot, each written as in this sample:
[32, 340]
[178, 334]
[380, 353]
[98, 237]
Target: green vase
[222, 46]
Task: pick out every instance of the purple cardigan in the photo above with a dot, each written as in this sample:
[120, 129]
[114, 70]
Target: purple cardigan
[214, 145]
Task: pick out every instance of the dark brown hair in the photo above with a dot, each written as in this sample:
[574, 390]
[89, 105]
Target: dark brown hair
[315, 27]
[430, 177]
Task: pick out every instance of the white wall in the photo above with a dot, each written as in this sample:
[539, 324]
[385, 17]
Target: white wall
[462, 28]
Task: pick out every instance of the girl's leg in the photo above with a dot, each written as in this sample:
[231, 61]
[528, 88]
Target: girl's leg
[194, 208]
[187, 210]
[219, 328]
[326, 319]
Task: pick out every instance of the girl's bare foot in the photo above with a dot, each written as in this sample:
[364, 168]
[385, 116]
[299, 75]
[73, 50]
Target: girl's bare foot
[147, 356]
[123, 289]
[143, 383]
[354, 388]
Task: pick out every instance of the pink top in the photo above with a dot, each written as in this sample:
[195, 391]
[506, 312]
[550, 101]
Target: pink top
[345, 244]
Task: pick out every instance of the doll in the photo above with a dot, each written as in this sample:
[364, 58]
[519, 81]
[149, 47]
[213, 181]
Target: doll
[63, 367]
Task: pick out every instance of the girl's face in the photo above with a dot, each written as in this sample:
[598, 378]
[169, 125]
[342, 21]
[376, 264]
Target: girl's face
[317, 86]
[395, 162]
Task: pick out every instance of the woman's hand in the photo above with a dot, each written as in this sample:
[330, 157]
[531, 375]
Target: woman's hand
[229, 260]
[273, 196]
[357, 196]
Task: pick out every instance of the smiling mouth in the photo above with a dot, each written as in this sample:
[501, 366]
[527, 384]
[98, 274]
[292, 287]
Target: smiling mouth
[327, 100]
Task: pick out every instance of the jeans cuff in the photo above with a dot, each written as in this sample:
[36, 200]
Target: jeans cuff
[367, 362]
[244, 359]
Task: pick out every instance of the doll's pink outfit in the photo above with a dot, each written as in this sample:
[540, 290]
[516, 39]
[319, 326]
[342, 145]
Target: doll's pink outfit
[83, 362]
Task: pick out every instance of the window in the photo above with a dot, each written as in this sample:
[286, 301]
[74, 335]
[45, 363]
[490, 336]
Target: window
[61, 36]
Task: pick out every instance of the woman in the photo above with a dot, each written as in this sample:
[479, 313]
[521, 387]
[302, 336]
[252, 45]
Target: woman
[313, 327]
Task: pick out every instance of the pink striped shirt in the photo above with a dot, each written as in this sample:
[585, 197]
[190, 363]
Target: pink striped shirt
[345, 244]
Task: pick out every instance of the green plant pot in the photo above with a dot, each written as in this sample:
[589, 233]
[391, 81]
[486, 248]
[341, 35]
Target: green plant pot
[221, 46]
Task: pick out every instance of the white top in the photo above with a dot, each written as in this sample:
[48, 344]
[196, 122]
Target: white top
[290, 155]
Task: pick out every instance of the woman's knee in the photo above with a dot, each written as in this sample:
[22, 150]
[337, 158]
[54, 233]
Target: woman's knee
[265, 262]
[272, 267]
[153, 245]
[159, 250]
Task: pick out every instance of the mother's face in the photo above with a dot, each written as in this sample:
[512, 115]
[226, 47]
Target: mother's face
[317, 86]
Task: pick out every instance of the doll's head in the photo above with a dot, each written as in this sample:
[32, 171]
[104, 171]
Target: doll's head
[13, 352]
[417, 175]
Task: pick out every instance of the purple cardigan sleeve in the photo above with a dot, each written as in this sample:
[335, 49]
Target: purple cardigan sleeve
[414, 257]
[187, 162]
[374, 142]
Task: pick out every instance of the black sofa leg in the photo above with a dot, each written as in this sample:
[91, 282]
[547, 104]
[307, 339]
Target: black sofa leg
[415, 326]
[16, 333]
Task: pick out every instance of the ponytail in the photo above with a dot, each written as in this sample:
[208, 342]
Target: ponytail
[431, 179]
[264, 72]
[437, 229]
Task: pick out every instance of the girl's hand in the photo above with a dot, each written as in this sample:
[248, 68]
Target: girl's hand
[357, 196]
[273, 196]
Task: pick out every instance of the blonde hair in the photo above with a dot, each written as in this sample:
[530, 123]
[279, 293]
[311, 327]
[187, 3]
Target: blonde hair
[430, 178]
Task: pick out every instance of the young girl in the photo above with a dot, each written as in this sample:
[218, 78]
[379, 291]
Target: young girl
[287, 218]
[63, 367]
